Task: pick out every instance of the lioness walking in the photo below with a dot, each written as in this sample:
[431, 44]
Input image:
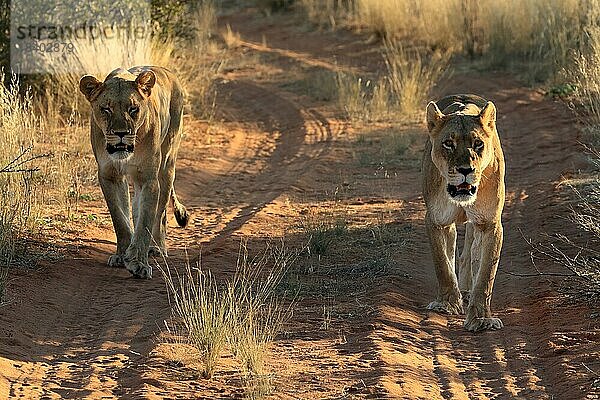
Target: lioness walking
[136, 128]
[463, 182]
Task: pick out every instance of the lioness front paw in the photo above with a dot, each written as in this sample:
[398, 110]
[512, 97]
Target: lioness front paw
[483, 324]
[447, 307]
[136, 262]
[139, 269]
[116, 261]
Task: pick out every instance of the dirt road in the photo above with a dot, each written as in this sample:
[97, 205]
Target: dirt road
[78, 329]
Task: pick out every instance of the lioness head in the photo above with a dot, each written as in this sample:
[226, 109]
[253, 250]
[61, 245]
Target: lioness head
[462, 146]
[119, 107]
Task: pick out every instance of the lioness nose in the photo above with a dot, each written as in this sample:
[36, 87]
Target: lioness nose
[121, 134]
[465, 171]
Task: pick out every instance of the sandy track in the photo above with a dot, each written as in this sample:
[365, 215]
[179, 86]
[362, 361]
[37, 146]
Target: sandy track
[78, 329]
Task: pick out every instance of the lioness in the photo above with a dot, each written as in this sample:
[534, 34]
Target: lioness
[136, 127]
[463, 181]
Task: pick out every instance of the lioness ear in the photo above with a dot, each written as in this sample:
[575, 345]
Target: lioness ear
[487, 116]
[434, 116]
[146, 81]
[89, 86]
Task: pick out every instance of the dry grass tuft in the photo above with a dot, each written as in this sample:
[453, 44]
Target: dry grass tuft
[322, 230]
[402, 94]
[257, 315]
[243, 314]
[202, 308]
[412, 75]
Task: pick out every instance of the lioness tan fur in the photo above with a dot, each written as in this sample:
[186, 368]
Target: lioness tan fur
[463, 182]
[136, 128]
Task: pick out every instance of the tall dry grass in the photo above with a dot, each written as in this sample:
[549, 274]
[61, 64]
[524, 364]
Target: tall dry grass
[436, 24]
[534, 37]
[20, 197]
[584, 75]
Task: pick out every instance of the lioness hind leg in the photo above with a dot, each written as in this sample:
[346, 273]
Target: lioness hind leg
[158, 247]
[159, 230]
[465, 272]
[486, 252]
[443, 244]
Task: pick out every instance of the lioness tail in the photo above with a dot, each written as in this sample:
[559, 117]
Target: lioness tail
[181, 214]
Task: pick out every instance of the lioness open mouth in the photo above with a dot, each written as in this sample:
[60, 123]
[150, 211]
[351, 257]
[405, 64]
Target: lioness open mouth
[113, 148]
[464, 189]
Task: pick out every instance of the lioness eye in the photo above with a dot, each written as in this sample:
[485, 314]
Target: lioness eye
[478, 145]
[448, 144]
[133, 111]
[105, 110]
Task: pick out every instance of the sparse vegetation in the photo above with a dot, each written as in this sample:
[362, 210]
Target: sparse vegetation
[243, 314]
[321, 230]
[580, 256]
